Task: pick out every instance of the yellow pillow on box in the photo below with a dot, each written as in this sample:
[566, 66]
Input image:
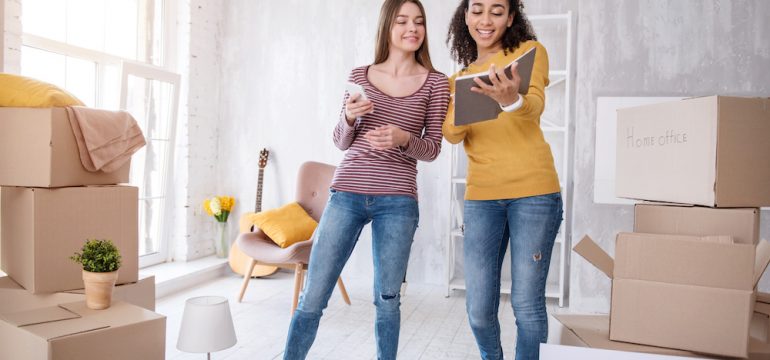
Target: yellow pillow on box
[21, 91]
[286, 225]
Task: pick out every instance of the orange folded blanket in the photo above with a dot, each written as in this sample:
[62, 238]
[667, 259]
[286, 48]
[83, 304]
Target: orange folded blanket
[106, 139]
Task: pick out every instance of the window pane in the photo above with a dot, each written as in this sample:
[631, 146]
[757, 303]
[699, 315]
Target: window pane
[109, 26]
[122, 30]
[150, 101]
[111, 87]
[150, 225]
[44, 18]
[81, 80]
[148, 167]
[85, 23]
[75, 75]
[44, 66]
[159, 33]
[163, 101]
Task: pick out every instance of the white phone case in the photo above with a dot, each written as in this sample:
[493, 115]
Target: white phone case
[353, 88]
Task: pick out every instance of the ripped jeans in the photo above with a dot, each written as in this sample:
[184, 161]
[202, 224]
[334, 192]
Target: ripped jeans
[530, 224]
[394, 221]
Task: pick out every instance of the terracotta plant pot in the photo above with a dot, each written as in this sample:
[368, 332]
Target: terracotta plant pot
[99, 288]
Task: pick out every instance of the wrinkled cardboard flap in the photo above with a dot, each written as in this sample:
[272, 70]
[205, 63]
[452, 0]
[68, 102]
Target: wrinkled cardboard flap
[763, 258]
[763, 298]
[39, 316]
[719, 239]
[67, 327]
[590, 251]
[50, 331]
[762, 308]
[663, 203]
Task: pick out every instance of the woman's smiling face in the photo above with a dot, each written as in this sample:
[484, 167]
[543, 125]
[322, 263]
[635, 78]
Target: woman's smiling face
[408, 30]
[487, 21]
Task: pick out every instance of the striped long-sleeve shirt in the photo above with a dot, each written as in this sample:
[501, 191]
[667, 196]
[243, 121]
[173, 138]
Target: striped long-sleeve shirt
[365, 170]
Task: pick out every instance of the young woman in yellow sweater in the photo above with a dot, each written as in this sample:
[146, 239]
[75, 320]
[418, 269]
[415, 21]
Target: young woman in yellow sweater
[513, 194]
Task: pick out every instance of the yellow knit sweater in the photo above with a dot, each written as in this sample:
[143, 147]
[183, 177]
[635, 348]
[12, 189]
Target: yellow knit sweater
[507, 157]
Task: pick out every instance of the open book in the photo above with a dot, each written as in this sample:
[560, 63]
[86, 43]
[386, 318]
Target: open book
[471, 107]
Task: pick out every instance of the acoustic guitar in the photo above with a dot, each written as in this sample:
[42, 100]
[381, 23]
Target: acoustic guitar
[239, 262]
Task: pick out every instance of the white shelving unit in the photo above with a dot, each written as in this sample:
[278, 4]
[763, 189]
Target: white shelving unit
[558, 128]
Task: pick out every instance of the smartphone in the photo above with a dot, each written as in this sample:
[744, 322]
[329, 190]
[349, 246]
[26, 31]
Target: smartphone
[354, 88]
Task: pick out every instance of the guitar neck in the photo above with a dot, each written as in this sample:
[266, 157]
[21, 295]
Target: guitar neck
[258, 204]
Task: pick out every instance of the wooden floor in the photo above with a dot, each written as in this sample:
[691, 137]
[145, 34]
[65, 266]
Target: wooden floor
[432, 326]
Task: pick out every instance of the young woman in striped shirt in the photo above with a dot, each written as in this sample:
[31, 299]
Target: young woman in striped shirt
[513, 194]
[384, 135]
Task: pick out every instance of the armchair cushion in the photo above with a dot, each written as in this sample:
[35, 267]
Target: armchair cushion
[286, 225]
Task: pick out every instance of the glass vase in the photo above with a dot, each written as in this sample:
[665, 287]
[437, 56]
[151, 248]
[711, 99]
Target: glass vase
[222, 244]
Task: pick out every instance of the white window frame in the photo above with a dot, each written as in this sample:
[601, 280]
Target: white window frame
[150, 72]
[165, 72]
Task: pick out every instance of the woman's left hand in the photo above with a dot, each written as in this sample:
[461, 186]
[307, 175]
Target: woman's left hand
[387, 137]
[503, 90]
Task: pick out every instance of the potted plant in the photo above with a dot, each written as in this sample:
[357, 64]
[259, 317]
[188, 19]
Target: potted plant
[100, 260]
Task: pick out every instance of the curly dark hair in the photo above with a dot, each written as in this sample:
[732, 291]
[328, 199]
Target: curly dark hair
[463, 47]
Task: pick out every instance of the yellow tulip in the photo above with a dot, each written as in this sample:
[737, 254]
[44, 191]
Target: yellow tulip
[207, 207]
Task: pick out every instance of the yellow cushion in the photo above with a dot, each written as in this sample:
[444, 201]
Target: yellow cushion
[20, 91]
[286, 225]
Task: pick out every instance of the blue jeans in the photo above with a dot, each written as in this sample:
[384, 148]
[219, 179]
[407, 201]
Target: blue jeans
[394, 221]
[531, 225]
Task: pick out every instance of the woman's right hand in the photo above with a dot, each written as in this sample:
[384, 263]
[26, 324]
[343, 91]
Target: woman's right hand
[355, 107]
[504, 90]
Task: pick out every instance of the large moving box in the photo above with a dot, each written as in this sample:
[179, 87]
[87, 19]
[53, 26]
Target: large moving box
[42, 228]
[710, 151]
[38, 148]
[741, 224]
[681, 292]
[60, 327]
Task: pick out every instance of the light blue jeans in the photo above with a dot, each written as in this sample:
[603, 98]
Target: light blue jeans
[394, 221]
[530, 224]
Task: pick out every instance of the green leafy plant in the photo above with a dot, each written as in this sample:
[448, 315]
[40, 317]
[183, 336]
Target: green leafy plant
[98, 256]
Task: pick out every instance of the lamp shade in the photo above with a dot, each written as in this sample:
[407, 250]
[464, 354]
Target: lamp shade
[207, 325]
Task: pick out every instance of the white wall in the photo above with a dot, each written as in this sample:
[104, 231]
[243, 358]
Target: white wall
[196, 171]
[2, 35]
[10, 60]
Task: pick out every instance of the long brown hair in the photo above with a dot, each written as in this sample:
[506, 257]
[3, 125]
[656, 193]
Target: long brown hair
[462, 46]
[388, 15]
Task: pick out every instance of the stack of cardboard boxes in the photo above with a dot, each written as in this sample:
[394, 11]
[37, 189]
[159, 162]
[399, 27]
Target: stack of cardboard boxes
[686, 277]
[50, 205]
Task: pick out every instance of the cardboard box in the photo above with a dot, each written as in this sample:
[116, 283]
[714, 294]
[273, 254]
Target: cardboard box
[52, 327]
[140, 293]
[681, 292]
[741, 224]
[38, 148]
[587, 337]
[709, 151]
[42, 228]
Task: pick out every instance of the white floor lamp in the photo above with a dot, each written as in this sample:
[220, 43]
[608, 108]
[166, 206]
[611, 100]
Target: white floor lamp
[207, 326]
